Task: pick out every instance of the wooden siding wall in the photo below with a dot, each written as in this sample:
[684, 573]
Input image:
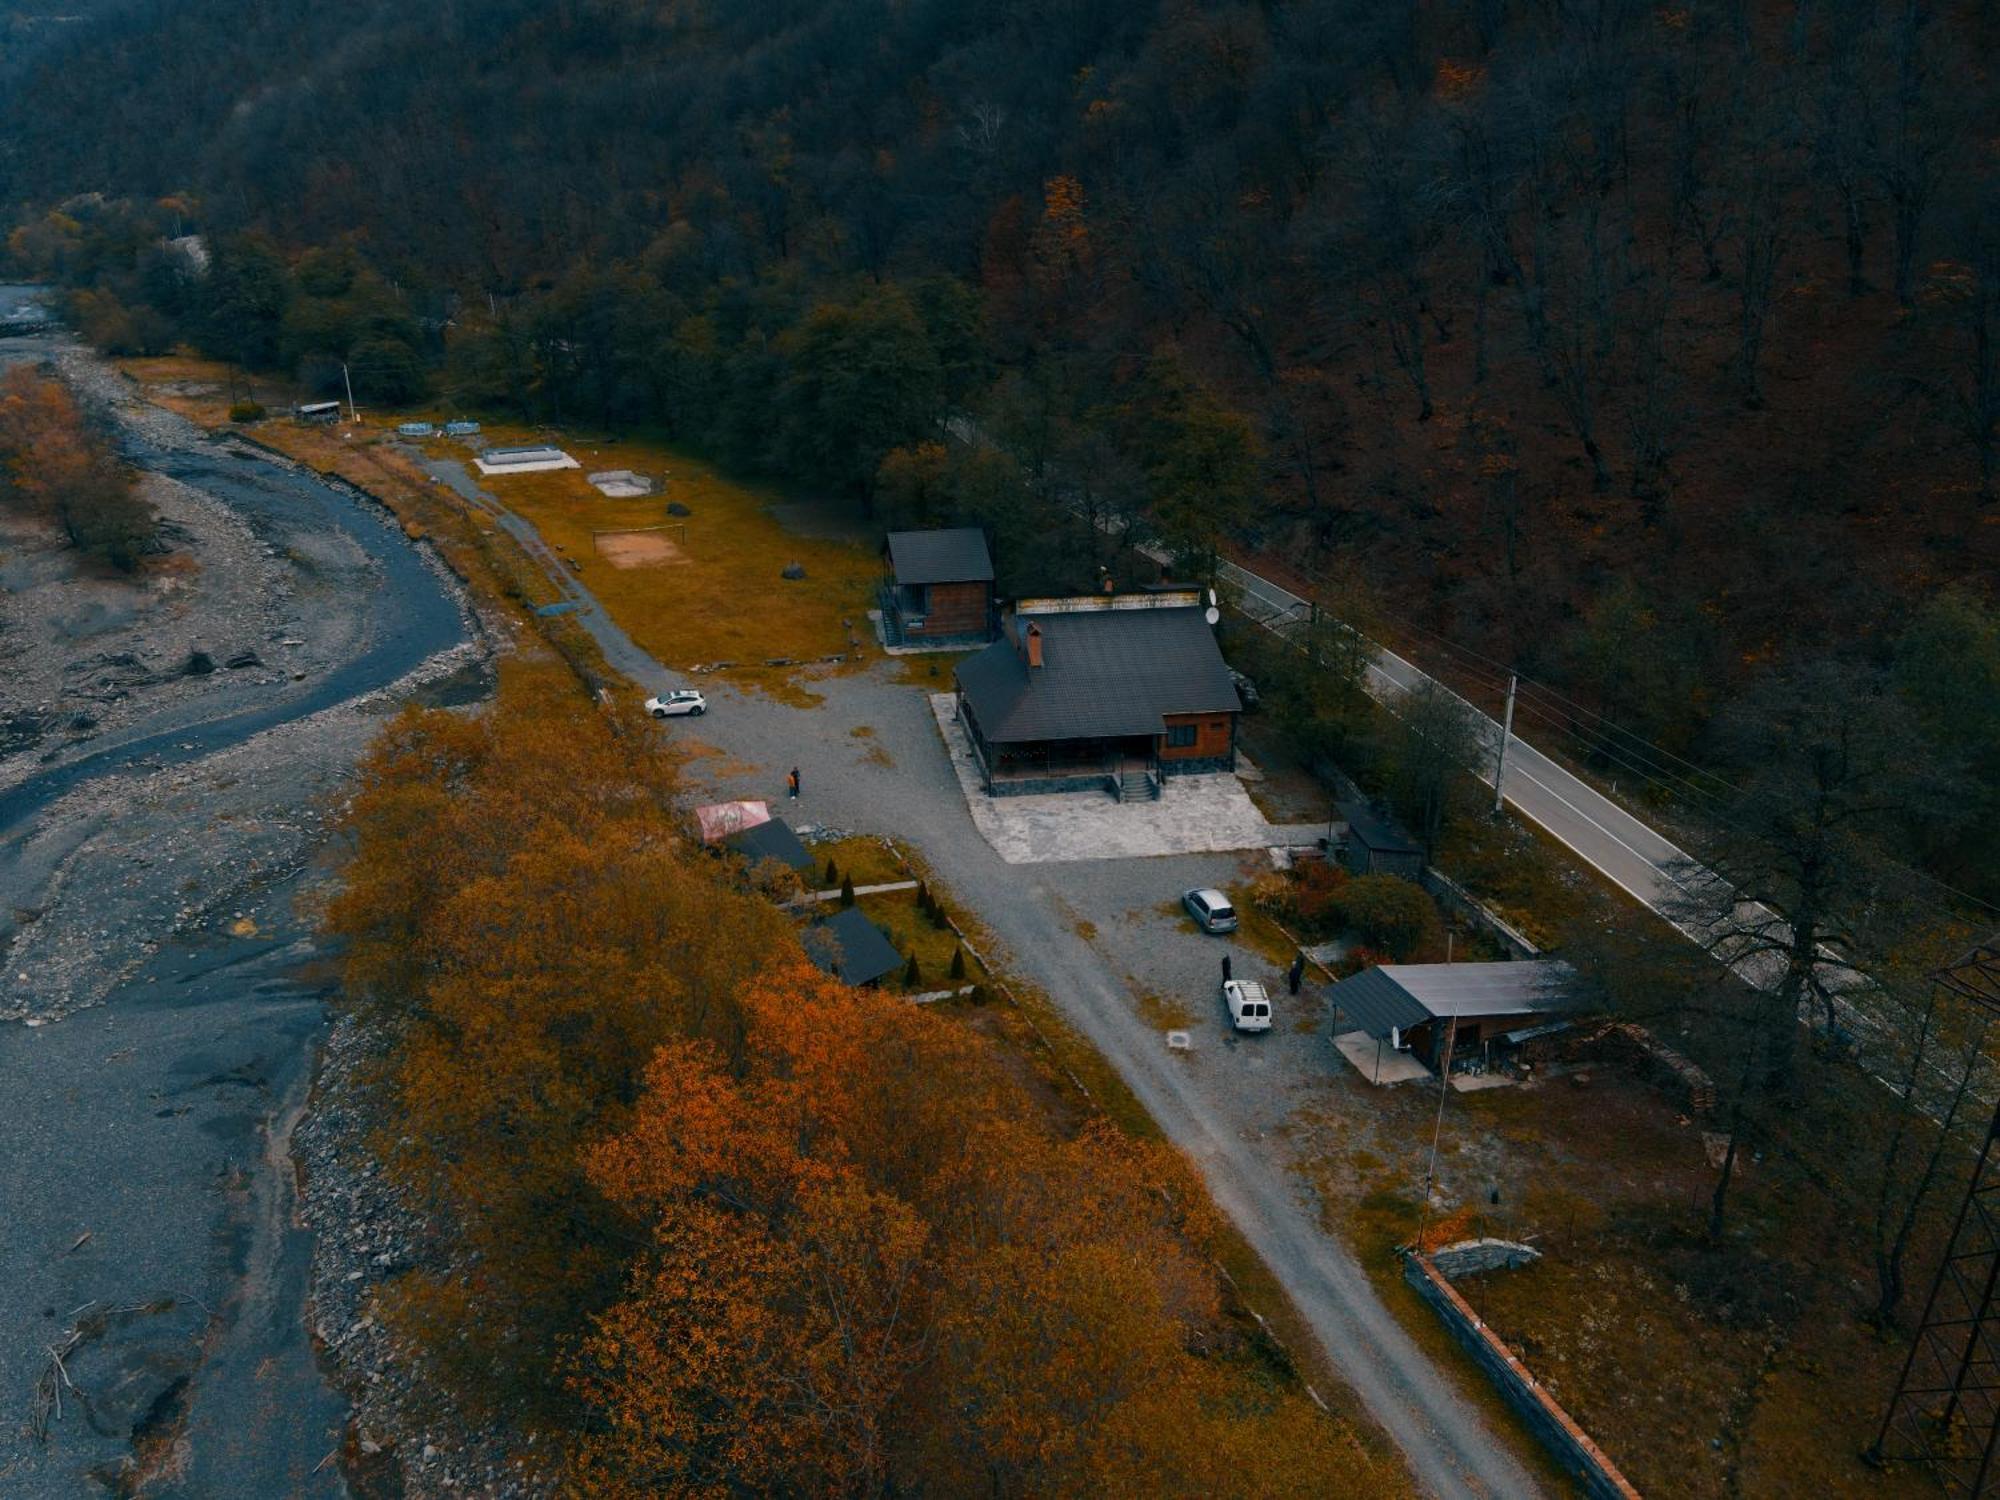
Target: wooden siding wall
[957, 609]
[1211, 741]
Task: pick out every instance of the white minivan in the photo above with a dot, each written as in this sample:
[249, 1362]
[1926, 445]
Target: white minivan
[1249, 1006]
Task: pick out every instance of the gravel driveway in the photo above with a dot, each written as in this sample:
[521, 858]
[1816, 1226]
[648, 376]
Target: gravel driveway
[1218, 1103]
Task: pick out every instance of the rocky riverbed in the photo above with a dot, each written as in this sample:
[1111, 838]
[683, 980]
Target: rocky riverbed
[163, 820]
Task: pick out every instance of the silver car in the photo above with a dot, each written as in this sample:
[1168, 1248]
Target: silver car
[1210, 909]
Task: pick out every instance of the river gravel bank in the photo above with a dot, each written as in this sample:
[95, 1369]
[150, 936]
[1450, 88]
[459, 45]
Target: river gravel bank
[162, 992]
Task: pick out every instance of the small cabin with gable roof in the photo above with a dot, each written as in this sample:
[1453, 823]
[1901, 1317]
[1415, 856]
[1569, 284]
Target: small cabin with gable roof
[940, 588]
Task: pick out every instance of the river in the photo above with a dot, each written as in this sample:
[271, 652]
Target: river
[153, 1271]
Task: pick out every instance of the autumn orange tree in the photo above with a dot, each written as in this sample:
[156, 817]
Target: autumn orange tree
[718, 1224]
[55, 468]
[872, 1269]
[521, 914]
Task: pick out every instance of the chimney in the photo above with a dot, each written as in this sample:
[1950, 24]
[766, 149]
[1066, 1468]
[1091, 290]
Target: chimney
[1031, 637]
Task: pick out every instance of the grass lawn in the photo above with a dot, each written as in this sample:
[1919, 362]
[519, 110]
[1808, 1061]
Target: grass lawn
[1702, 1370]
[912, 931]
[863, 859]
[931, 671]
[715, 591]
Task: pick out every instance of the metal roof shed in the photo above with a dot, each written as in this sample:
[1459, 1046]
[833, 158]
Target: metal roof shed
[772, 840]
[853, 949]
[1401, 997]
[957, 555]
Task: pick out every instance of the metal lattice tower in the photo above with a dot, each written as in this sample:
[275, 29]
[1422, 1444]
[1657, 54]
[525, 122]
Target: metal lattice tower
[1946, 1410]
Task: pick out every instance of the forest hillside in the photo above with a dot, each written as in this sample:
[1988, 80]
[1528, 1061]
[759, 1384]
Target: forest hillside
[1649, 349]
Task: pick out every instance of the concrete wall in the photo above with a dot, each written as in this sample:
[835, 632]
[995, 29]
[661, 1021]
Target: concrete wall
[1197, 767]
[1028, 786]
[1553, 1427]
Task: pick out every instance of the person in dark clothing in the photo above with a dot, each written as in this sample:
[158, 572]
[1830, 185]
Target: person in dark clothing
[792, 784]
[1225, 968]
[1297, 973]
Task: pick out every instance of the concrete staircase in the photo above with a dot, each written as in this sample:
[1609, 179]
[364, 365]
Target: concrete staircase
[892, 619]
[1136, 784]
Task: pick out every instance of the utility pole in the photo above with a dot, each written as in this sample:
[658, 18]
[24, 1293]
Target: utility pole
[1506, 734]
[354, 416]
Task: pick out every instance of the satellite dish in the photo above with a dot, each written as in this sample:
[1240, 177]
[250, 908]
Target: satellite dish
[1211, 614]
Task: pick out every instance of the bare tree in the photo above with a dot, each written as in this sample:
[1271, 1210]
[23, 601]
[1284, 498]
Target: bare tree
[1792, 883]
[1921, 120]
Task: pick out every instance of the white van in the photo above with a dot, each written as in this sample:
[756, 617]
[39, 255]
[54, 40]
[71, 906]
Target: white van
[1249, 1006]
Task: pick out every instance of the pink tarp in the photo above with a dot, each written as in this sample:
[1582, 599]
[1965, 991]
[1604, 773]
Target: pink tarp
[721, 819]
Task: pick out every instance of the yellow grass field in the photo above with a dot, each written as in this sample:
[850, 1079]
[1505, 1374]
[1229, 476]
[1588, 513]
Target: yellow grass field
[709, 589]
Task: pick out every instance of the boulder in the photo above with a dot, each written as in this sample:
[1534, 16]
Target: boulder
[1471, 1257]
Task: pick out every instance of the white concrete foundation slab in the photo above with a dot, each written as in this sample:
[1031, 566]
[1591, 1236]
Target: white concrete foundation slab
[499, 464]
[1194, 815]
[620, 484]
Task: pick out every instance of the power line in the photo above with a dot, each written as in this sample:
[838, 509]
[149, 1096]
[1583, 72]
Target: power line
[1568, 704]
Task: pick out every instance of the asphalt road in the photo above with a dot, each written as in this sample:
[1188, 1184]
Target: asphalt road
[1647, 866]
[1032, 911]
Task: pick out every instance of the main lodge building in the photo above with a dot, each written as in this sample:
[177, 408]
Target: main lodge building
[1111, 692]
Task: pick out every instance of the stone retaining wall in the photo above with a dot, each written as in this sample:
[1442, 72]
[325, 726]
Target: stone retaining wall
[1553, 1427]
[1449, 894]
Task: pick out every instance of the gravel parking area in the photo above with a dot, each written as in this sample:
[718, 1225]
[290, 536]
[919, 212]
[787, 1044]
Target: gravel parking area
[871, 761]
[1100, 938]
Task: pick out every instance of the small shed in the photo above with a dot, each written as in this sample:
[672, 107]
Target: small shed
[317, 413]
[940, 588]
[1413, 1007]
[852, 949]
[1377, 845]
[772, 840]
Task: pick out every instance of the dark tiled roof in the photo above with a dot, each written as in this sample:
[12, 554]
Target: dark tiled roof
[1376, 831]
[1104, 674]
[858, 951]
[957, 556]
[1406, 995]
[772, 840]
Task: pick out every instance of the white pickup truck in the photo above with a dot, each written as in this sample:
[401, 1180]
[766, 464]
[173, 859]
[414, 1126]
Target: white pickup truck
[1249, 1006]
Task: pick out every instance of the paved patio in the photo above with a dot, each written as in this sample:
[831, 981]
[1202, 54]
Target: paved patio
[1378, 1062]
[1195, 815]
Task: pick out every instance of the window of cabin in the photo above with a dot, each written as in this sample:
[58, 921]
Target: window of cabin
[1181, 736]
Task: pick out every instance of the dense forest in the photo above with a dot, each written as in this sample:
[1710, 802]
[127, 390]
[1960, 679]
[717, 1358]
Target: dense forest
[1652, 350]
